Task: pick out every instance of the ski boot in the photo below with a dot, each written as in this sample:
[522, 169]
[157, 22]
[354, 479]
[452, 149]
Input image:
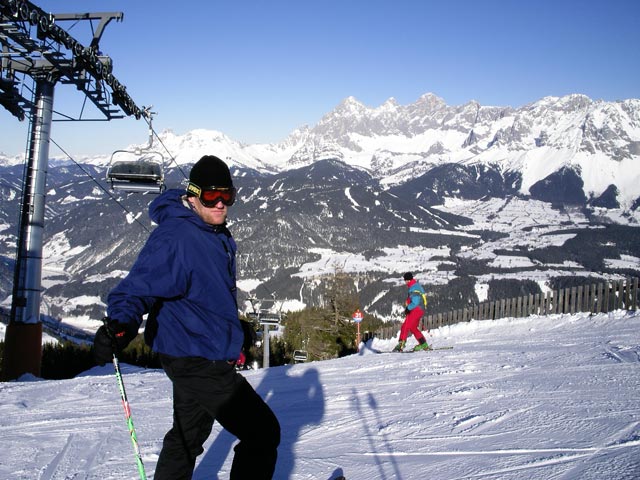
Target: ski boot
[423, 345]
[400, 346]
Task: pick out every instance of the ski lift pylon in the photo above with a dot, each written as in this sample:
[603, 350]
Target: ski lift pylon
[140, 170]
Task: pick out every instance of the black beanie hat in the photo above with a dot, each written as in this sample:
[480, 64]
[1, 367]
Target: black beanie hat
[210, 171]
[408, 276]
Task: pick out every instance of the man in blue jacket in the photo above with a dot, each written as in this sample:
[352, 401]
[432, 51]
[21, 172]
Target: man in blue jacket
[185, 277]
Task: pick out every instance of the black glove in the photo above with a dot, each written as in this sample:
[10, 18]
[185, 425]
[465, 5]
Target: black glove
[112, 337]
[406, 310]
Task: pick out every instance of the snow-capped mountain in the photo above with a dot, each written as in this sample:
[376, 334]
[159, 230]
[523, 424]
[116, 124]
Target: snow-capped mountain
[598, 142]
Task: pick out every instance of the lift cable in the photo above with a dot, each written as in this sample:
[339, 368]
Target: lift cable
[173, 159]
[105, 190]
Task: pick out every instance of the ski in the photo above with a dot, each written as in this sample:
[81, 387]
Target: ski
[448, 347]
[425, 350]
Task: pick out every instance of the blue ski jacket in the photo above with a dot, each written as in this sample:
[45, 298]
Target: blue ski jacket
[415, 298]
[186, 273]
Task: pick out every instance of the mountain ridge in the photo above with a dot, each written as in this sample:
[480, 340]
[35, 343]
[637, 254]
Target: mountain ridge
[600, 140]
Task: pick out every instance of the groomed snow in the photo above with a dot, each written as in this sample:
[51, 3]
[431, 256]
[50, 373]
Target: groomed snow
[538, 398]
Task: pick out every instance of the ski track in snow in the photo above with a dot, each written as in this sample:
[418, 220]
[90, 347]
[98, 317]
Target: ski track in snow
[540, 398]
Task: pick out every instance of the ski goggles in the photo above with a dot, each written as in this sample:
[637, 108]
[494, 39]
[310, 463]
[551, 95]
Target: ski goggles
[210, 196]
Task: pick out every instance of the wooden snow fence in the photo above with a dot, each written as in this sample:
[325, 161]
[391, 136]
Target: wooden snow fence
[595, 298]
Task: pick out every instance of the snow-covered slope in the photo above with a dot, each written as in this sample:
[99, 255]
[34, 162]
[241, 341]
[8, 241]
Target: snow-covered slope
[538, 398]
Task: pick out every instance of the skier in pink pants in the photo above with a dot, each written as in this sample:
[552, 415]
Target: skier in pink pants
[416, 304]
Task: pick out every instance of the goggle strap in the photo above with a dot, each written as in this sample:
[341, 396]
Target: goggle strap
[193, 188]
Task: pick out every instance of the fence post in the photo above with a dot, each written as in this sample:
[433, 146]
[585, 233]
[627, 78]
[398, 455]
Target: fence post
[611, 304]
[627, 300]
[620, 294]
[600, 297]
[586, 306]
[576, 304]
[572, 300]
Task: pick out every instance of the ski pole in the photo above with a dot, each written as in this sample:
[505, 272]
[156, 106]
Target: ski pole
[127, 412]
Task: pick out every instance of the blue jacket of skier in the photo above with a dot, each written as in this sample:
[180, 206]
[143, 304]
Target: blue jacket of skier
[186, 273]
[415, 296]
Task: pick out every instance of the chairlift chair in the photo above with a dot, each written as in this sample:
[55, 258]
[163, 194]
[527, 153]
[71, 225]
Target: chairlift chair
[300, 356]
[142, 174]
[266, 311]
[140, 170]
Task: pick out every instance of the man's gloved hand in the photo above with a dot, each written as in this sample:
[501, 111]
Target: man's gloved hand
[112, 335]
[406, 310]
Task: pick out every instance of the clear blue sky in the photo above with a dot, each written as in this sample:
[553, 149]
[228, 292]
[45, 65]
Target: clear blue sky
[257, 69]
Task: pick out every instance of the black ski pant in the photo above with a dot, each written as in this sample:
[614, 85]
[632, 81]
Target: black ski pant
[205, 391]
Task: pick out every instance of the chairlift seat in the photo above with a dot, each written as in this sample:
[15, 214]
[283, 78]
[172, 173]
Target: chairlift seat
[136, 171]
[142, 175]
[300, 356]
